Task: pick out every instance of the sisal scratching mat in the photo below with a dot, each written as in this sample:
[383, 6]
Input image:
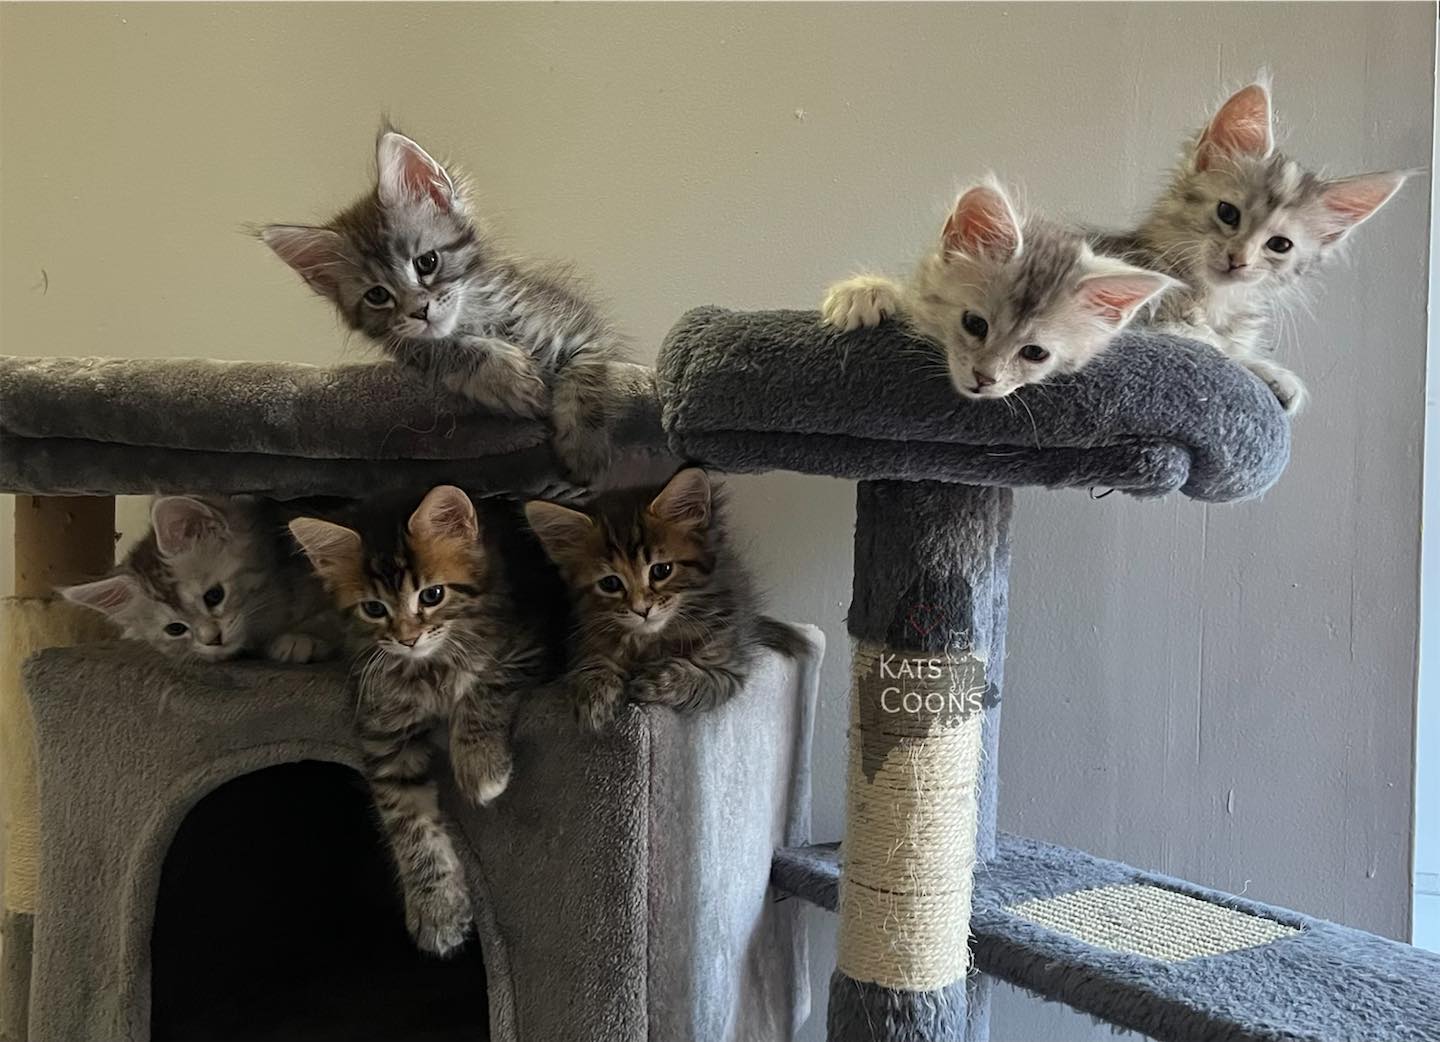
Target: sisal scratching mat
[1141, 919]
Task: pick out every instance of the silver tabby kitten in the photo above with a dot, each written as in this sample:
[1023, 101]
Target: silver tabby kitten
[408, 266]
[455, 614]
[1242, 226]
[666, 613]
[215, 578]
[1009, 301]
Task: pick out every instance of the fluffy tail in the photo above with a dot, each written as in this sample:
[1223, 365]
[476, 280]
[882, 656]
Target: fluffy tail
[781, 636]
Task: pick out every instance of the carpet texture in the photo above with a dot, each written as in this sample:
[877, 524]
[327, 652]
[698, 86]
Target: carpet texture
[775, 390]
[1315, 981]
[604, 906]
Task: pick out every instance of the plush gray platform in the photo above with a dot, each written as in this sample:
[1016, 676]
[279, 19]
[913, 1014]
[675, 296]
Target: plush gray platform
[116, 426]
[774, 390]
[622, 884]
[741, 391]
[1289, 978]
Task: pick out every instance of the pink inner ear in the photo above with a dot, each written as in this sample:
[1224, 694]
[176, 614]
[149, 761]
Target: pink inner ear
[1240, 128]
[1353, 199]
[1113, 299]
[412, 173]
[982, 225]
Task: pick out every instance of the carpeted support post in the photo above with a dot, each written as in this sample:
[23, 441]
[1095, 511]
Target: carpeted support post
[57, 540]
[927, 621]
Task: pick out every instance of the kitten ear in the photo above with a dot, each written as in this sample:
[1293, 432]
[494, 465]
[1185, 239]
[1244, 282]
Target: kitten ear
[1240, 128]
[181, 521]
[1114, 291]
[313, 252]
[1347, 203]
[110, 596]
[445, 513]
[685, 499]
[409, 174]
[983, 224]
[325, 543]
[562, 531]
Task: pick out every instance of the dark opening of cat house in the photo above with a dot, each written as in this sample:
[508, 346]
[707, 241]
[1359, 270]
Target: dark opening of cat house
[278, 918]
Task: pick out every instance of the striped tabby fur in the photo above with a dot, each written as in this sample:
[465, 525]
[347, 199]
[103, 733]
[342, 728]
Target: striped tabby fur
[409, 266]
[455, 616]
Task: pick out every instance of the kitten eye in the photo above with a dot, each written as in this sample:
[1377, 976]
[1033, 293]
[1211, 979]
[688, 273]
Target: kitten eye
[177, 629]
[611, 584]
[1228, 213]
[378, 297]
[660, 572]
[1034, 353]
[426, 263]
[432, 595]
[214, 596]
[1278, 243]
[974, 325]
[374, 609]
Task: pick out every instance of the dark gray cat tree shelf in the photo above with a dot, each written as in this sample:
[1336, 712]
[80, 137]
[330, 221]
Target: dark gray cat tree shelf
[697, 955]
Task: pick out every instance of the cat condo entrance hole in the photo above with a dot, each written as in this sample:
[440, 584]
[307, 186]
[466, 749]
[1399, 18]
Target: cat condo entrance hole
[278, 918]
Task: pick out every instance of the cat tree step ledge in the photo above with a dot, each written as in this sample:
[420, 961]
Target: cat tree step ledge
[1210, 965]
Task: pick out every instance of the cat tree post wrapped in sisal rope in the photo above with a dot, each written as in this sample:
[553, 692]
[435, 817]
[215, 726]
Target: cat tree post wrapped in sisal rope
[926, 617]
[57, 540]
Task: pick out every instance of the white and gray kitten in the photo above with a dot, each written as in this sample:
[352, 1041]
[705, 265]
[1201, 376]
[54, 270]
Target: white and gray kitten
[409, 266]
[216, 578]
[1242, 226]
[1011, 302]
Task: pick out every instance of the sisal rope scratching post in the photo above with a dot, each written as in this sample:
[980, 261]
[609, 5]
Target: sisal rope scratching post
[927, 619]
[57, 541]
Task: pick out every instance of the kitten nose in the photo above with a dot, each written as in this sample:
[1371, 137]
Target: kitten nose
[215, 641]
[1236, 263]
[422, 313]
[643, 612]
[981, 380]
[411, 642]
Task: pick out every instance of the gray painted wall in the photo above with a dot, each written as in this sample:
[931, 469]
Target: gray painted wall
[1225, 693]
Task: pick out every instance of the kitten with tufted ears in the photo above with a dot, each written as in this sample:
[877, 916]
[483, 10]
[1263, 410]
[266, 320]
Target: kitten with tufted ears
[215, 578]
[1008, 301]
[455, 615]
[409, 266]
[666, 612]
[1244, 228]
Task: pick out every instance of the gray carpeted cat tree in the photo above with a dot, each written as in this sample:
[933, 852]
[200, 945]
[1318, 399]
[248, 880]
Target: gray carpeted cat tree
[622, 883]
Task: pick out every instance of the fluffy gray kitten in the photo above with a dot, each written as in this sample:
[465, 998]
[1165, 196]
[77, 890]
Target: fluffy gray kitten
[408, 266]
[1009, 301]
[1241, 226]
[216, 578]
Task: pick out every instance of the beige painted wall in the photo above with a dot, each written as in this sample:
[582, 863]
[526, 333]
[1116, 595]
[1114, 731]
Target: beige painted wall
[1225, 692]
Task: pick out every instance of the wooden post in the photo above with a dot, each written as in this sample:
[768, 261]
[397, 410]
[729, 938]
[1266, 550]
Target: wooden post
[58, 540]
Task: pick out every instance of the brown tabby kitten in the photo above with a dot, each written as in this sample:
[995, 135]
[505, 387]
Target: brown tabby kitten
[455, 615]
[666, 613]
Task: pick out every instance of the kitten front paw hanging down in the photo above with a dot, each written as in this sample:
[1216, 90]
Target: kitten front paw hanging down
[455, 614]
[409, 266]
[1242, 227]
[214, 578]
[666, 612]
[1007, 301]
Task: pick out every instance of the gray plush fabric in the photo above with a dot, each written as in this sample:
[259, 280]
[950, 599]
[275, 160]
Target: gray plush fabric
[1328, 983]
[74, 426]
[776, 390]
[17, 945]
[603, 905]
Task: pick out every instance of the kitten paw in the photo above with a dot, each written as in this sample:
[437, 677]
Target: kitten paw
[483, 774]
[860, 302]
[294, 647]
[597, 699]
[1285, 385]
[439, 916]
[507, 384]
